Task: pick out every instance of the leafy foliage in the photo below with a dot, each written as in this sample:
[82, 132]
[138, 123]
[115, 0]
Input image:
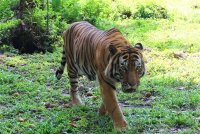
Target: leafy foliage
[5, 8]
[151, 11]
[56, 5]
[5, 28]
[62, 12]
[99, 9]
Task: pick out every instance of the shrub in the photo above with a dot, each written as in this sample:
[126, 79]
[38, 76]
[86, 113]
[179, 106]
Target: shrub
[151, 11]
[56, 4]
[92, 10]
[5, 9]
[5, 29]
[70, 11]
[123, 9]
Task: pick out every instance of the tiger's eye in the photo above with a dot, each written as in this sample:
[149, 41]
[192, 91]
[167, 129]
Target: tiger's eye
[138, 68]
[123, 69]
[117, 75]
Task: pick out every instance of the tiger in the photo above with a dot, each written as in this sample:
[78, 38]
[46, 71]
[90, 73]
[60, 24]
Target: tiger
[104, 55]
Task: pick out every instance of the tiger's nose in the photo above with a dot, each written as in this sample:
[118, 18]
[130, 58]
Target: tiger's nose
[133, 84]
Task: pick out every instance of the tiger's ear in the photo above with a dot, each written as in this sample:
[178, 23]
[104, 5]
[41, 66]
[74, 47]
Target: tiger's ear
[139, 46]
[112, 49]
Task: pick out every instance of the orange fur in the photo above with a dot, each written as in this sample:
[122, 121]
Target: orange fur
[96, 53]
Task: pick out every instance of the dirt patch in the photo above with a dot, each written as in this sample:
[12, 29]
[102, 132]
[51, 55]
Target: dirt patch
[84, 82]
[1, 61]
[65, 93]
[2, 56]
[129, 106]
[2, 106]
[171, 130]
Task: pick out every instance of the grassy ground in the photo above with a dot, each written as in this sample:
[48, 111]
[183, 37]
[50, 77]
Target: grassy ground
[168, 100]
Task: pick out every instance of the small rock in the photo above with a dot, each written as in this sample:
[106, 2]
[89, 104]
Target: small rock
[198, 119]
[180, 88]
[198, 85]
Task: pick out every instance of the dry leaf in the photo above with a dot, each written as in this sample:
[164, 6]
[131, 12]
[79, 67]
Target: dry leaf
[179, 55]
[21, 119]
[66, 105]
[73, 124]
[94, 97]
[49, 105]
[76, 118]
[15, 94]
[148, 94]
[31, 125]
[88, 94]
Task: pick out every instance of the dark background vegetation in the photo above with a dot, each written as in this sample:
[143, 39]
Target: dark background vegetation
[34, 25]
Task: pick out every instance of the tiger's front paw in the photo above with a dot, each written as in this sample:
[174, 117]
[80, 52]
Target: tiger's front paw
[76, 100]
[102, 110]
[121, 126]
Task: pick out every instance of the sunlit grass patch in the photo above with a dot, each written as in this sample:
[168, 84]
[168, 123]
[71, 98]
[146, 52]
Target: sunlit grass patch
[175, 35]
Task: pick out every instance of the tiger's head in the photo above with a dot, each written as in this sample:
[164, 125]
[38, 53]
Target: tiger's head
[126, 65]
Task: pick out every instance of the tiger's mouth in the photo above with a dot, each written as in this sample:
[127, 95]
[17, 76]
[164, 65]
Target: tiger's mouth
[126, 88]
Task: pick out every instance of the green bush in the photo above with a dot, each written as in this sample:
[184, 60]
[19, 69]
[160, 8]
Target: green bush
[92, 10]
[56, 4]
[151, 11]
[5, 9]
[122, 9]
[70, 11]
[6, 27]
[37, 16]
[87, 10]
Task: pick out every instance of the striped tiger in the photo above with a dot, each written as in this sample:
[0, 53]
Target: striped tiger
[103, 55]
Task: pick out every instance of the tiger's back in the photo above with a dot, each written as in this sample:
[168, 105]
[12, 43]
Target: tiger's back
[84, 45]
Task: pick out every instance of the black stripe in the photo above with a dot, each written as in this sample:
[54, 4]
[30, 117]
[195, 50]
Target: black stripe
[85, 70]
[63, 63]
[109, 83]
[73, 82]
[72, 76]
[59, 72]
[114, 64]
[64, 58]
[72, 72]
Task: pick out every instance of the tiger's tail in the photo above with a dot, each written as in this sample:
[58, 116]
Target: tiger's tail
[60, 70]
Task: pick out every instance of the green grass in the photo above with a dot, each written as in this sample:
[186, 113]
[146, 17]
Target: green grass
[27, 82]
[33, 101]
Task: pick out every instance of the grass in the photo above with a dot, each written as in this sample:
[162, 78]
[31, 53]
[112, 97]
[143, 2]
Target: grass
[33, 101]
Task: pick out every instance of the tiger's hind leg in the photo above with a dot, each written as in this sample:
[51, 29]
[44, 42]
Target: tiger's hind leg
[73, 79]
